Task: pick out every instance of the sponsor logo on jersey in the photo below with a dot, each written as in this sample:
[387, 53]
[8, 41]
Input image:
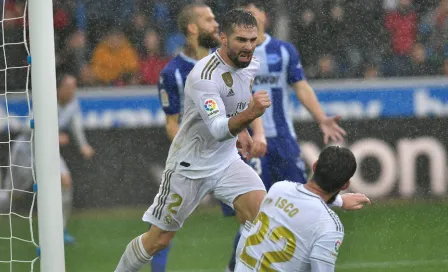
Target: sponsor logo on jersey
[241, 106]
[267, 79]
[211, 107]
[164, 98]
[228, 79]
[230, 93]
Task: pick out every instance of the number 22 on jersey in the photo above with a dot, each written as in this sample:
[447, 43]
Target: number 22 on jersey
[275, 235]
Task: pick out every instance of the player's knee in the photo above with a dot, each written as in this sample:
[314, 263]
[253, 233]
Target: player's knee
[249, 204]
[163, 242]
[156, 240]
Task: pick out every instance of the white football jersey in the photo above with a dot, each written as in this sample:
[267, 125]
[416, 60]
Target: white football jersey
[294, 231]
[213, 91]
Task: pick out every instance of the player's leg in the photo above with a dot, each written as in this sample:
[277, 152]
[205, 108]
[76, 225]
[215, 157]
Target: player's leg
[159, 262]
[177, 198]
[67, 198]
[261, 167]
[290, 164]
[18, 176]
[240, 187]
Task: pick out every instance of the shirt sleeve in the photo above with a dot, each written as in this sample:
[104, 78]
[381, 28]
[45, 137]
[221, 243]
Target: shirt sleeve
[325, 250]
[169, 93]
[318, 266]
[295, 68]
[77, 128]
[207, 99]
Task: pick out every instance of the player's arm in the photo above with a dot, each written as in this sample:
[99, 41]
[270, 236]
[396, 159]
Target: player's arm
[206, 96]
[79, 134]
[172, 125]
[170, 100]
[305, 93]
[325, 252]
[259, 140]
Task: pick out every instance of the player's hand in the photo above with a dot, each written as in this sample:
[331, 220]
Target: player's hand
[332, 130]
[64, 139]
[244, 144]
[259, 102]
[87, 151]
[353, 201]
[259, 146]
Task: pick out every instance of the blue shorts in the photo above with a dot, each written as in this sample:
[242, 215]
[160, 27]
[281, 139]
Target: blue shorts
[282, 162]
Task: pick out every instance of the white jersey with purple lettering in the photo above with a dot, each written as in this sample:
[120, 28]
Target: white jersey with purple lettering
[295, 230]
[214, 92]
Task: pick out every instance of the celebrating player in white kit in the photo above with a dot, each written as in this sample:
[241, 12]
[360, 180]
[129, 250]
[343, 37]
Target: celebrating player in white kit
[203, 157]
[295, 229]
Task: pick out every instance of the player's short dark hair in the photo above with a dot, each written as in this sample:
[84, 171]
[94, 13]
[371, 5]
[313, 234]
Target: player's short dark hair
[259, 4]
[187, 15]
[335, 166]
[237, 17]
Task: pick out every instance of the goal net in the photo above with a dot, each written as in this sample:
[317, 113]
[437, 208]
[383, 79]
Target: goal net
[18, 248]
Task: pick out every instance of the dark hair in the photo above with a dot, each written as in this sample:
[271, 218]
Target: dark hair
[186, 16]
[237, 17]
[259, 4]
[335, 166]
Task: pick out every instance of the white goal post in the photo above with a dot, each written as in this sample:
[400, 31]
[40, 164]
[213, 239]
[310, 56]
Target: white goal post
[46, 144]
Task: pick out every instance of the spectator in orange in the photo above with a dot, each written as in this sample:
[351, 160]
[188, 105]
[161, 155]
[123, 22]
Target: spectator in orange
[114, 60]
[151, 63]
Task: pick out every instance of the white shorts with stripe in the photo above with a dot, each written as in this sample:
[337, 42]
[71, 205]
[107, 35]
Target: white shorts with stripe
[179, 196]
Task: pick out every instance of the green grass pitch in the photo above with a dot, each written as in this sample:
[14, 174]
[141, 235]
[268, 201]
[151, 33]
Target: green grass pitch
[399, 236]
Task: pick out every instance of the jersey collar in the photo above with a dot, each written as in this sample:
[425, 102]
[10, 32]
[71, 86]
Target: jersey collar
[233, 69]
[266, 41]
[305, 191]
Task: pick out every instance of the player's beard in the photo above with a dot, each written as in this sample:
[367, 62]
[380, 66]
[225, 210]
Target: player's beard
[234, 57]
[208, 40]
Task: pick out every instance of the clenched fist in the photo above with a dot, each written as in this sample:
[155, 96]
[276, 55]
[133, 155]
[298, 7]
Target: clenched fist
[259, 102]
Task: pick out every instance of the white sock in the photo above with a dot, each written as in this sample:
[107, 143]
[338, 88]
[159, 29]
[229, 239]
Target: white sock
[134, 257]
[67, 204]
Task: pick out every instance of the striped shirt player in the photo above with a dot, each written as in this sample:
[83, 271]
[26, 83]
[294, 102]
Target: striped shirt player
[280, 67]
[295, 231]
[203, 157]
[172, 82]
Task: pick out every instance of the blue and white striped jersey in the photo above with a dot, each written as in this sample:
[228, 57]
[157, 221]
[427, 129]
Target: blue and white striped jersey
[280, 66]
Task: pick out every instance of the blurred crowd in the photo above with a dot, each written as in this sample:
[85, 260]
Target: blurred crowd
[128, 42]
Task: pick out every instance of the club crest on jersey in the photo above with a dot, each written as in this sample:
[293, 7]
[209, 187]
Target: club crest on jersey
[228, 79]
[168, 220]
[211, 108]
